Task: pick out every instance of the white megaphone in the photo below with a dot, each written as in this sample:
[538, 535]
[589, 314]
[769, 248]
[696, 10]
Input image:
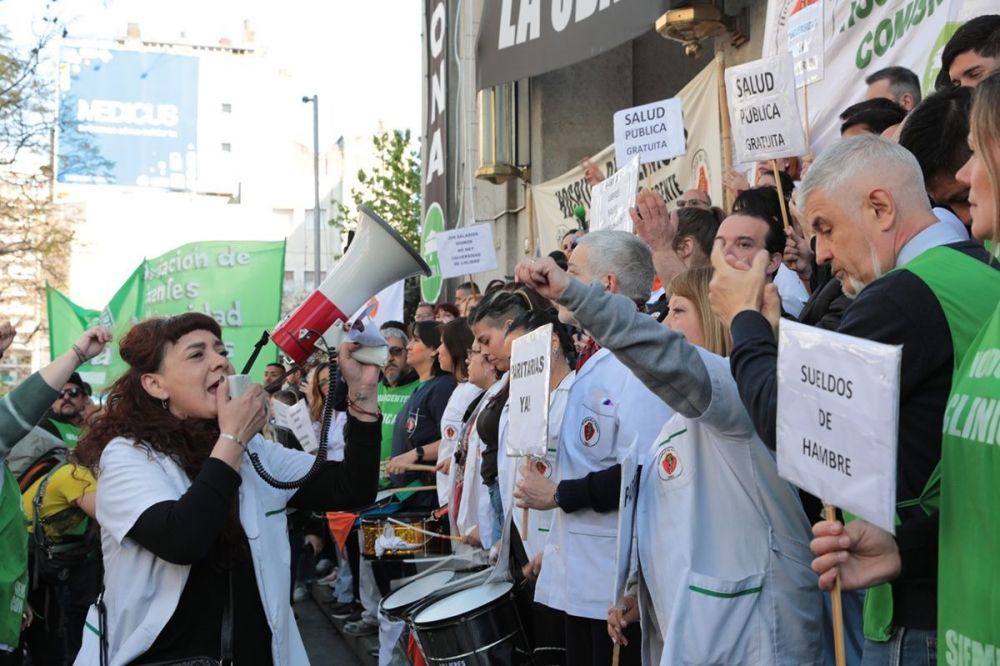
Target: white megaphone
[377, 258]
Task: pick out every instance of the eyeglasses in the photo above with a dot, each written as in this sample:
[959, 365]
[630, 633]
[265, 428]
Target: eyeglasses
[697, 203]
[73, 392]
[396, 351]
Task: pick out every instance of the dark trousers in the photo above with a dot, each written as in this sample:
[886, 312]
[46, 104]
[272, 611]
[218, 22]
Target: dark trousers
[587, 642]
[353, 548]
[60, 605]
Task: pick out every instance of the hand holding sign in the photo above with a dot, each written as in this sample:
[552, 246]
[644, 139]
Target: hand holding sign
[860, 553]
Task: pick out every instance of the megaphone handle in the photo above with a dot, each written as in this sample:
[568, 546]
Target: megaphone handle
[264, 337]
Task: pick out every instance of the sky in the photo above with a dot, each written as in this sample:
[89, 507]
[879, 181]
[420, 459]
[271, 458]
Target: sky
[363, 58]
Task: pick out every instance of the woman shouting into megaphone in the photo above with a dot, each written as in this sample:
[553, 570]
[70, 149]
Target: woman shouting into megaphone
[195, 543]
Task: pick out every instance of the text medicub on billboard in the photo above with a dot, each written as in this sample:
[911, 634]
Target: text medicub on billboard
[140, 111]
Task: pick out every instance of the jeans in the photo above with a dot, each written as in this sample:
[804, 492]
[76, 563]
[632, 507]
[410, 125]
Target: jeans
[496, 503]
[906, 647]
[854, 639]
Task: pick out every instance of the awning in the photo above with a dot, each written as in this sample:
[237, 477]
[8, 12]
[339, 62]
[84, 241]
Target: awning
[523, 38]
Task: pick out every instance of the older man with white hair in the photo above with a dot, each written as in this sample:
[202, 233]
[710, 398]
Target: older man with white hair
[915, 283]
[608, 409]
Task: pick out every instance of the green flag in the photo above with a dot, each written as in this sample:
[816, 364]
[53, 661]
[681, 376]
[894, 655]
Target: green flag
[237, 283]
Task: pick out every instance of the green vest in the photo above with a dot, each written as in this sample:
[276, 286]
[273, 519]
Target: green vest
[68, 432]
[391, 400]
[967, 290]
[968, 577]
[13, 560]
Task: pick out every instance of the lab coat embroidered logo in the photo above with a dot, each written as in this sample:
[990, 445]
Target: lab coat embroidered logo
[589, 432]
[450, 432]
[669, 464]
[542, 467]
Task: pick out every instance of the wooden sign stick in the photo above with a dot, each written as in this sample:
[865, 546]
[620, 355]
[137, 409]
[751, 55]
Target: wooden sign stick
[835, 602]
[524, 515]
[419, 468]
[727, 138]
[781, 194]
[617, 650]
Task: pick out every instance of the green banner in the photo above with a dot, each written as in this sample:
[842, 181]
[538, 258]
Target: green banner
[237, 283]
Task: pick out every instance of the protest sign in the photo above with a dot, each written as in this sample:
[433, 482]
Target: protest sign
[763, 110]
[466, 250]
[805, 43]
[699, 168]
[530, 370]
[613, 197]
[628, 497]
[653, 131]
[838, 414]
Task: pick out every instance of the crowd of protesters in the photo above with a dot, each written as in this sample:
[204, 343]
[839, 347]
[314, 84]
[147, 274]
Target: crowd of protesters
[143, 528]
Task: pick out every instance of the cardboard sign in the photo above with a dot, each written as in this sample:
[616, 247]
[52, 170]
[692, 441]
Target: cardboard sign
[654, 131]
[613, 196]
[530, 370]
[805, 43]
[625, 553]
[764, 111]
[838, 414]
[466, 250]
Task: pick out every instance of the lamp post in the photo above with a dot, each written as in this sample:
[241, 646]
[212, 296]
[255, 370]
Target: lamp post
[316, 241]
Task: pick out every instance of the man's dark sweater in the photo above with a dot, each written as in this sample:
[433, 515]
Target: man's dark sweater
[897, 309]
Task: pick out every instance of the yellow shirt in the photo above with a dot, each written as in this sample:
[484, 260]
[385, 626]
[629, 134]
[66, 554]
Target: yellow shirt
[66, 486]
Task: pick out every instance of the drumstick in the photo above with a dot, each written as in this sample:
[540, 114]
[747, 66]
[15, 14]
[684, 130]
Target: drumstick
[419, 468]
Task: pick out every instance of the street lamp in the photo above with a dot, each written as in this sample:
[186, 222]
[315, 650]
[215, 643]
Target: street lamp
[315, 102]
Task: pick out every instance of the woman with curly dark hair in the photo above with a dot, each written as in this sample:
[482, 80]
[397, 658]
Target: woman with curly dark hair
[195, 548]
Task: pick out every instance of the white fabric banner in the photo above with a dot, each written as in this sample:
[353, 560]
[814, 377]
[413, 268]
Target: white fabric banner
[700, 168]
[838, 419]
[860, 38]
[386, 305]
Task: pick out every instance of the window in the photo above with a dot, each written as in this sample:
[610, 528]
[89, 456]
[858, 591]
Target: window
[227, 108]
[310, 218]
[227, 147]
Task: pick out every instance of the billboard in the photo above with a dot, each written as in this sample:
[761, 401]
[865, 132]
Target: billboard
[138, 110]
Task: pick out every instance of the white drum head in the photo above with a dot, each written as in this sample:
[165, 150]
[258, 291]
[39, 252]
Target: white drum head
[456, 604]
[416, 590]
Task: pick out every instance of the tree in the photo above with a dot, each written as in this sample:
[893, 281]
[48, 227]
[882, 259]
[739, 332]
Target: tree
[392, 191]
[35, 229]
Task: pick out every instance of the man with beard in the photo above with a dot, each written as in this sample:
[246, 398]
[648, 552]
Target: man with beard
[910, 277]
[65, 418]
[398, 382]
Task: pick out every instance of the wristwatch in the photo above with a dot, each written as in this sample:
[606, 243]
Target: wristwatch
[555, 497]
[420, 453]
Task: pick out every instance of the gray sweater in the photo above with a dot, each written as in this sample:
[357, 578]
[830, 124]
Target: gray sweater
[660, 358]
[22, 409]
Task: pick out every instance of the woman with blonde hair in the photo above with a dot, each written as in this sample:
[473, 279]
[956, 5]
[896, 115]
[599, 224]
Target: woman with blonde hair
[690, 315]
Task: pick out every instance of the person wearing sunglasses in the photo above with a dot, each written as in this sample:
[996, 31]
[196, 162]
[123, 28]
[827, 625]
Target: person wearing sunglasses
[66, 416]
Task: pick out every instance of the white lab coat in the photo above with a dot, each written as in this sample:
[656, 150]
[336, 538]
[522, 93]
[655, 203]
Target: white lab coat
[606, 408]
[723, 544]
[475, 509]
[451, 430]
[142, 590]
[539, 522]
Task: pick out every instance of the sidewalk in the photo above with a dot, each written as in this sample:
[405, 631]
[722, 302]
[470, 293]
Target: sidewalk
[359, 645]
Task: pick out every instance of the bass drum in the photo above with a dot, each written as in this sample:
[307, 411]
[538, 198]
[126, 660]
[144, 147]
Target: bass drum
[478, 626]
[396, 606]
